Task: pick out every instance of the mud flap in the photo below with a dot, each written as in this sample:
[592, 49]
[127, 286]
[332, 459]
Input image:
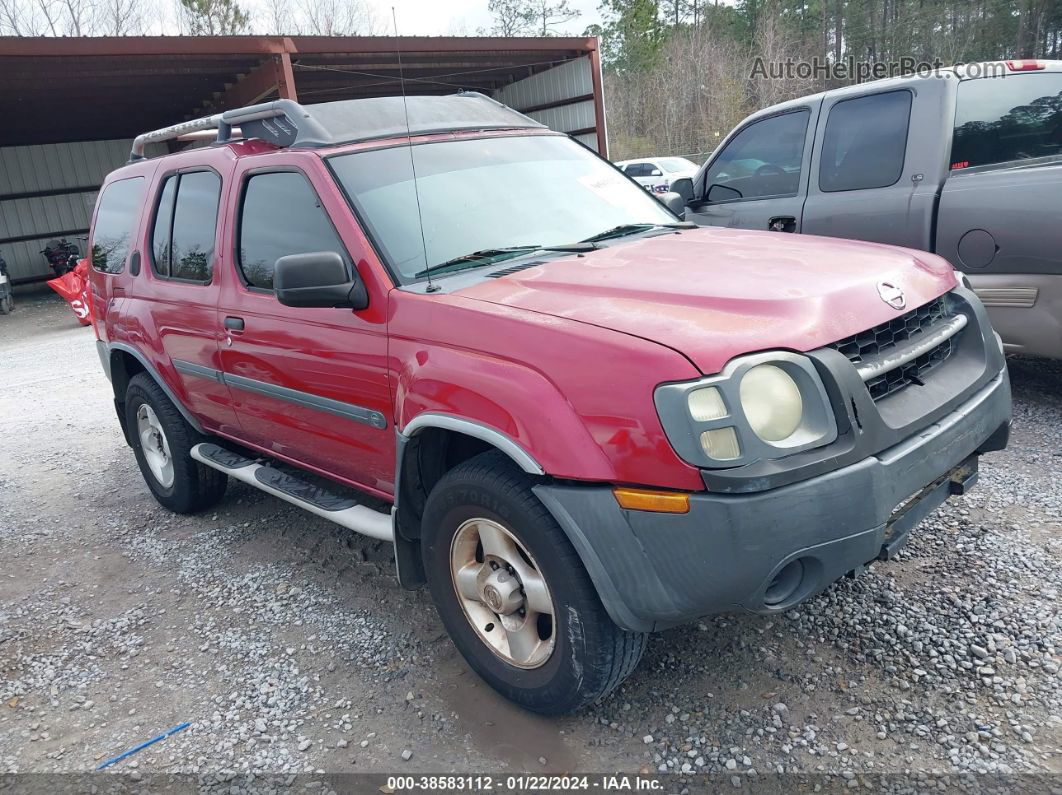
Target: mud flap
[409, 566]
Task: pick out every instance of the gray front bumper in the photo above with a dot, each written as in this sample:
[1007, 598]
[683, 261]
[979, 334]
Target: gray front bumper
[654, 570]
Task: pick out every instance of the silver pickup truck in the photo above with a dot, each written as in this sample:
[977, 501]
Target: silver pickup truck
[965, 163]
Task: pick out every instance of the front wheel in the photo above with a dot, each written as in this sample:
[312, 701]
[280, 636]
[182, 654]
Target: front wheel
[514, 595]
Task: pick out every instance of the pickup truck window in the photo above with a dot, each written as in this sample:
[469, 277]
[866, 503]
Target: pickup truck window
[117, 214]
[760, 161]
[865, 142]
[281, 215]
[184, 230]
[487, 193]
[1003, 119]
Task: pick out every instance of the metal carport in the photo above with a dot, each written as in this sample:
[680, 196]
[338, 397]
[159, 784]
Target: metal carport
[71, 105]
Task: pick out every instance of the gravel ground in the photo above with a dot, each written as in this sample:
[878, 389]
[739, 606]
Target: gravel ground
[286, 644]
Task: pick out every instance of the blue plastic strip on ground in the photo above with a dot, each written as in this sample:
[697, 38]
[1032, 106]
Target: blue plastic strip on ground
[144, 745]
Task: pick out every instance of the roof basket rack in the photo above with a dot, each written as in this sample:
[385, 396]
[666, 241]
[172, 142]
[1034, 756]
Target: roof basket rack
[280, 122]
[284, 122]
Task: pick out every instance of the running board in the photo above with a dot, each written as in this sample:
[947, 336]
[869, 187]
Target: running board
[341, 510]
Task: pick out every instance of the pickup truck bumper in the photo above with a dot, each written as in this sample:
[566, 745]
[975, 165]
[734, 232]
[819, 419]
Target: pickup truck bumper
[768, 551]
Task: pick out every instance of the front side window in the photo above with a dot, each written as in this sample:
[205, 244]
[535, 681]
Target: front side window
[281, 215]
[865, 142]
[1006, 119]
[762, 160]
[485, 194]
[118, 212]
[182, 242]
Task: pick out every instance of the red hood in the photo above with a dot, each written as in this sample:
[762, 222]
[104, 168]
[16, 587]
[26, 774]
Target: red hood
[714, 294]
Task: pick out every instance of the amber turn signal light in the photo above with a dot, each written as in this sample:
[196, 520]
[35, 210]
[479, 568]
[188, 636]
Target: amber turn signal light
[656, 501]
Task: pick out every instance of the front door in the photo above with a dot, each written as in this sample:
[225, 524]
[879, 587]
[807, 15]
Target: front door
[758, 177]
[309, 385]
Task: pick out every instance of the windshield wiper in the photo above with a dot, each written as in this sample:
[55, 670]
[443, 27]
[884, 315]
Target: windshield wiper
[631, 229]
[487, 256]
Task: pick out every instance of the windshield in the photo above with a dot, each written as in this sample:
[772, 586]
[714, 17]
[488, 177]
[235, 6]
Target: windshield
[488, 193]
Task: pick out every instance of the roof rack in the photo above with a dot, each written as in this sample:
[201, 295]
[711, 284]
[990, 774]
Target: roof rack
[286, 123]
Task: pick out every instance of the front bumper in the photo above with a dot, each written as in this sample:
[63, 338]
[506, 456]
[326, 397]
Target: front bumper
[654, 570]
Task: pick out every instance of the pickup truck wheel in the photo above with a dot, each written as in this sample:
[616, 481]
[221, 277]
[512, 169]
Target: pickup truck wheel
[162, 441]
[514, 595]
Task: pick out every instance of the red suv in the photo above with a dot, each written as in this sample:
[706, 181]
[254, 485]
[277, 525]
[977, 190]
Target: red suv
[578, 419]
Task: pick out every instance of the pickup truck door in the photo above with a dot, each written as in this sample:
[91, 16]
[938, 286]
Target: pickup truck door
[879, 162]
[758, 177]
[309, 384]
[999, 211]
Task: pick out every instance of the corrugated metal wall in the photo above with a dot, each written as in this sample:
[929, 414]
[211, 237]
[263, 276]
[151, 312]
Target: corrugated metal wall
[567, 90]
[50, 190]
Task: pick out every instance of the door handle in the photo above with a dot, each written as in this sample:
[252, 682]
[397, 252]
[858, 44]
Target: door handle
[782, 223]
[234, 323]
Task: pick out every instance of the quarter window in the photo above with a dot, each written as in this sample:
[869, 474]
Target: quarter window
[182, 240]
[865, 142]
[117, 215]
[762, 160]
[1000, 120]
[281, 215]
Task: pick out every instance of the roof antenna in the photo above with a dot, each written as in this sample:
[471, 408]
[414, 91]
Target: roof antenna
[432, 287]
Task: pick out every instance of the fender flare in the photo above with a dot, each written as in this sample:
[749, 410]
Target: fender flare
[431, 419]
[153, 372]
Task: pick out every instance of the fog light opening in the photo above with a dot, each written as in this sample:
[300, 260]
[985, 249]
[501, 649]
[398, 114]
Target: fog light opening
[785, 583]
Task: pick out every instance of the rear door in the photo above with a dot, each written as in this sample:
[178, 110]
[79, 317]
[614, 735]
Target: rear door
[872, 177]
[756, 180]
[309, 384]
[1001, 206]
[179, 289]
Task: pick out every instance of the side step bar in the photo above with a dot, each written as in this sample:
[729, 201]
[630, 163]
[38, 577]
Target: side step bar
[341, 510]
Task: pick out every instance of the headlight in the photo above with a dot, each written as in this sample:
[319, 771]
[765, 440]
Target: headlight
[767, 405]
[771, 401]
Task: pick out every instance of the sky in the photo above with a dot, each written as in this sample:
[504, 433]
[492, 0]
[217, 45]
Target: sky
[462, 17]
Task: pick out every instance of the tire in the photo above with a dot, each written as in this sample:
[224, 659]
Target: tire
[185, 485]
[6, 305]
[582, 655]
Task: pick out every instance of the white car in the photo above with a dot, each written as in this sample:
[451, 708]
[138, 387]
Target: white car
[657, 173]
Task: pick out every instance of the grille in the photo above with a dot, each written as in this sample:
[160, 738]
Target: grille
[878, 340]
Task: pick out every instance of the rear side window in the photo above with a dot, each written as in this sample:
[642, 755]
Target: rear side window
[762, 160]
[865, 142]
[281, 215]
[1003, 119]
[186, 221]
[117, 215]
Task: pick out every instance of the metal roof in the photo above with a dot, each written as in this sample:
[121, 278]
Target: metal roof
[83, 89]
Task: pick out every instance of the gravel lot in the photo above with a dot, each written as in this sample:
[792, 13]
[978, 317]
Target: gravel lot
[288, 646]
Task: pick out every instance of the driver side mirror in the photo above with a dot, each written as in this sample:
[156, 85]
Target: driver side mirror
[683, 186]
[317, 279]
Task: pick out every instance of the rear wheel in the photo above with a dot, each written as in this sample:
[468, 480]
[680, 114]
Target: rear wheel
[7, 303]
[162, 442]
[514, 595]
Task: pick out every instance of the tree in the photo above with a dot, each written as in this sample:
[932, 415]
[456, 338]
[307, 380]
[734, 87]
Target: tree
[336, 18]
[633, 33]
[213, 17]
[546, 15]
[511, 17]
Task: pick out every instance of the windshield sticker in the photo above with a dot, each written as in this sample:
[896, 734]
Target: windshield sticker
[612, 187]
